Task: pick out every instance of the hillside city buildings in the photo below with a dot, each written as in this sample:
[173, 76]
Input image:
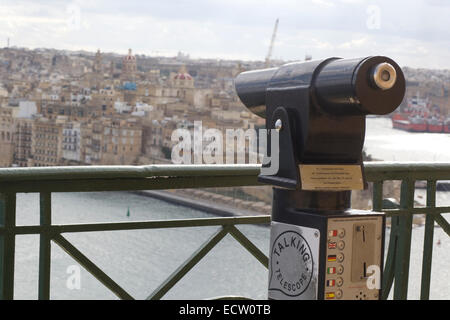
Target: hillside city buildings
[79, 108]
[73, 109]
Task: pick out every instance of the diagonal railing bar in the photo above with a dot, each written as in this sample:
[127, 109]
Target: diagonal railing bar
[443, 223]
[247, 244]
[91, 267]
[182, 270]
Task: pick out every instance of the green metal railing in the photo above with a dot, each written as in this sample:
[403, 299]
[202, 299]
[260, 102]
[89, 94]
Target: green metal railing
[46, 181]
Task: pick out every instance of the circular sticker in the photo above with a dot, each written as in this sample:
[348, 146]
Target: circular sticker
[291, 264]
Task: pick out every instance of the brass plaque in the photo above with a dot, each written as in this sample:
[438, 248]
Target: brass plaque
[331, 177]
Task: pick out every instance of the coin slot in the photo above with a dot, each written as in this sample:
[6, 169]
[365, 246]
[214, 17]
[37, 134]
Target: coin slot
[363, 250]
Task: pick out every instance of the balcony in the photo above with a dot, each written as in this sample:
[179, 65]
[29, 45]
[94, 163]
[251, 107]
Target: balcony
[46, 181]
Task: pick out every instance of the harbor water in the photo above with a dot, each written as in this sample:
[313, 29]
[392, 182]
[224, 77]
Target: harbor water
[141, 260]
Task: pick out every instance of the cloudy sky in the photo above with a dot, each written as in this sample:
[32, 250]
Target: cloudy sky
[416, 33]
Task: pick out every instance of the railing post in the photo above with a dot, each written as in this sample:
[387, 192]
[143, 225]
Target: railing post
[428, 242]
[7, 245]
[377, 198]
[45, 246]
[403, 251]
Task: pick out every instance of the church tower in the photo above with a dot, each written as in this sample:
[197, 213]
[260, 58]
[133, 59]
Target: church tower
[129, 67]
[98, 68]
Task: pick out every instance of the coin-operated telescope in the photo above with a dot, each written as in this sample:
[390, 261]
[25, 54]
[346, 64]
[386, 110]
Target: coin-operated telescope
[320, 248]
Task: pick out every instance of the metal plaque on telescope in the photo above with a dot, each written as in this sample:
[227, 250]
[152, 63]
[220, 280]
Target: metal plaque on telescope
[331, 177]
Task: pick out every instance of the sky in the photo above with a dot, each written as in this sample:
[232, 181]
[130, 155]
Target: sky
[415, 33]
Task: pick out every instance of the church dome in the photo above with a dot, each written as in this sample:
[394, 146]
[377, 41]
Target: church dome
[183, 74]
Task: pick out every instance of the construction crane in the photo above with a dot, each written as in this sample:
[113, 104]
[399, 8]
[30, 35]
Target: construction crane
[269, 54]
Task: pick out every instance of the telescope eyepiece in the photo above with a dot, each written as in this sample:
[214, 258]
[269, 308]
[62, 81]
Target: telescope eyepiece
[384, 76]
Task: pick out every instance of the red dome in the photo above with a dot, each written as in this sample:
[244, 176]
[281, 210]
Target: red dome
[183, 76]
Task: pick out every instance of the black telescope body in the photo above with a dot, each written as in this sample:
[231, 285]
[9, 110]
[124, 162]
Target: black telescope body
[320, 248]
[338, 86]
[321, 106]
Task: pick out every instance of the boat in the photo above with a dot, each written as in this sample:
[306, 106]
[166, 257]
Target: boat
[418, 124]
[400, 121]
[420, 116]
[435, 125]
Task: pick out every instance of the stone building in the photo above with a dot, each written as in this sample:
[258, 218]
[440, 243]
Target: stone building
[71, 142]
[47, 142]
[6, 136]
[23, 121]
[122, 141]
[22, 141]
[111, 140]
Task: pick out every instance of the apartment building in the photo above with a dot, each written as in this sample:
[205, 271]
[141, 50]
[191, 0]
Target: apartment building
[46, 142]
[122, 140]
[23, 141]
[71, 142]
[6, 136]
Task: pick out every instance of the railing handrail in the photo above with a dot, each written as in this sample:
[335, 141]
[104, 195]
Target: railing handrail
[393, 170]
[116, 172]
[388, 169]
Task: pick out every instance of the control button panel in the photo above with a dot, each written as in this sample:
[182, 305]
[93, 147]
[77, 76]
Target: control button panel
[353, 244]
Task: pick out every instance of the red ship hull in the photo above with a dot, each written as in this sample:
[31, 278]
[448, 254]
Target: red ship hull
[418, 127]
[447, 128]
[404, 122]
[435, 128]
[401, 124]
[419, 115]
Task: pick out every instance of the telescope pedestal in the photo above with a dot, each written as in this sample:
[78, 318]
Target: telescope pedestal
[321, 249]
